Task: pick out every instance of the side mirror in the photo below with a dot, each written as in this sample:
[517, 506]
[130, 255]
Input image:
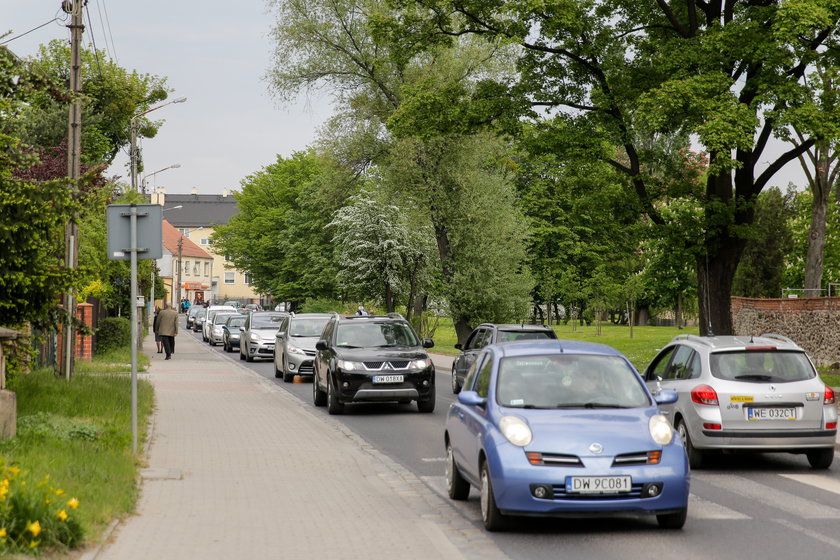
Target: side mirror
[666, 396]
[458, 346]
[428, 343]
[321, 345]
[471, 398]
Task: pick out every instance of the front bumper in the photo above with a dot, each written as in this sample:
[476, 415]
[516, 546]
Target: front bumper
[301, 364]
[514, 482]
[261, 349]
[359, 386]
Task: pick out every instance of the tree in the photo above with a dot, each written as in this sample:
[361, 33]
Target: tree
[729, 73]
[111, 96]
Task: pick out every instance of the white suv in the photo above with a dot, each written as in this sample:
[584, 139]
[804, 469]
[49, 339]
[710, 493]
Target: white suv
[746, 393]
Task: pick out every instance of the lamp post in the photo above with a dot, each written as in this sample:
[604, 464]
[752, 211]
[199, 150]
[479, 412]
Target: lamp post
[143, 182]
[133, 131]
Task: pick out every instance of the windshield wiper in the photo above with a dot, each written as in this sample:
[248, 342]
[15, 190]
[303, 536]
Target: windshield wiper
[346, 346]
[590, 405]
[755, 377]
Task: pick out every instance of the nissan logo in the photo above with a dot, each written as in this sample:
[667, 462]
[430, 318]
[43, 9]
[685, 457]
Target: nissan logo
[596, 448]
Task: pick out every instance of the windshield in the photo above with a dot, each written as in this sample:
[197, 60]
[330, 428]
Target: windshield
[308, 326]
[221, 318]
[761, 366]
[375, 335]
[237, 321]
[269, 321]
[510, 336]
[569, 381]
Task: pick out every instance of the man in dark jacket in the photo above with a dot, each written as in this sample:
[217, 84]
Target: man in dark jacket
[166, 326]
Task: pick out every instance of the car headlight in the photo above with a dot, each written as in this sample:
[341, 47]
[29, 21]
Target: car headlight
[347, 365]
[516, 430]
[217, 330]
[660, 429]
[255, 337]
[420, 364]
[292, 349]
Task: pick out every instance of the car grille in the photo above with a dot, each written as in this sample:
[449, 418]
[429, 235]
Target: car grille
[394, 364]
[306, 369]
[309, 352]
[560, 494]
[554, 459]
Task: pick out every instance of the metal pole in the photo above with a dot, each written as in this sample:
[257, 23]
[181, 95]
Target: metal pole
[134, 329]
[180, 261]
[132, 154]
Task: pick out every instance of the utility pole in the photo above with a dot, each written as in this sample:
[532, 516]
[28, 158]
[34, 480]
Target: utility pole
[74, 153]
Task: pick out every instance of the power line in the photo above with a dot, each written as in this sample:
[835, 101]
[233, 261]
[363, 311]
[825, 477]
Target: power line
[93, 40]
[108, 24]
[30, 31]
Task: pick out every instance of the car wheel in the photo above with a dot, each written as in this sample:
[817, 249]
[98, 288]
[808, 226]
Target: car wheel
[287, 377]
[429, 405]
[319, 398]
[456, 486]
[672, 520]
[241, 355]
[820, 458]
[695, 457]
[456, 388]
[277, 373]
[490, 514]
[248, 356]
[334, 406]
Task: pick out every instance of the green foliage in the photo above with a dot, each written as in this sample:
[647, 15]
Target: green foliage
[798, 226]
[113, 333]
[762, 266]
[327, 305]
[34, 514]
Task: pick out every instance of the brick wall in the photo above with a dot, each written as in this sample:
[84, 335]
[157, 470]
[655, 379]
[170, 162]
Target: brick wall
[84, 344]
[813, 323]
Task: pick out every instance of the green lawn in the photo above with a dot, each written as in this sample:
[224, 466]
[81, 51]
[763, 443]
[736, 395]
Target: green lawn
[79, 434]
[640, 349]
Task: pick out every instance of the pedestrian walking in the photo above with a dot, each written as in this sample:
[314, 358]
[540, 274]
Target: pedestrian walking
[166, 325]
[361, 311]
[158, 339]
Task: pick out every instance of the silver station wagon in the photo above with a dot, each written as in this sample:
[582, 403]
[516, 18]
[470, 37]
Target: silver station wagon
[746, 393]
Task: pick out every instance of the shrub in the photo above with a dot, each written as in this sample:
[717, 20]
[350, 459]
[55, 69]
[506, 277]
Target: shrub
[35, 515]
[113, 333]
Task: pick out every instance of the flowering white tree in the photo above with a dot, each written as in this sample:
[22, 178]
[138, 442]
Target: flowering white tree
[378, 253]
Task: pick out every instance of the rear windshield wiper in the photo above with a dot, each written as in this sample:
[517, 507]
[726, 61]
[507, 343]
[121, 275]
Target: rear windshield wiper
[755, 377]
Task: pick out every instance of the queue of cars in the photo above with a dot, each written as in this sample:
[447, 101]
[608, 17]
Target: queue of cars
[547, 427]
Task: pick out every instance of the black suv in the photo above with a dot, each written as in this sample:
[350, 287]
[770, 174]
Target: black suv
[372, 359]
[491, 333]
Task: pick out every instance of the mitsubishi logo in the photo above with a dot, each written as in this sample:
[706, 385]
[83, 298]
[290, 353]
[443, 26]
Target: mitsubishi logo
[596, 448]
[772, 387]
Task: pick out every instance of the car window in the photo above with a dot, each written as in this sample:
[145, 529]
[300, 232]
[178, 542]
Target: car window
[469, 379]
[308, 326]
[266, 321]
[474, 340]
[235, 321]
[512, 336]
[679, 365]
[482, 381]
[221, 318]
[375, 335]
[761, 366]
[694, 368]
[658, 368]
[569, 381]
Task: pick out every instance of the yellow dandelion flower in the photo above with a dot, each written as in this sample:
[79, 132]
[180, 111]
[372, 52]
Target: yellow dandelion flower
[34, 528]
[48, 501]
[73, 503]
[59, 492]
[14, 470]
[61, 515]
[3, 532]
[34, 544]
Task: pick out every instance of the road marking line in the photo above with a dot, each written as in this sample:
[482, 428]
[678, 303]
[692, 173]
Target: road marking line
[820, 481]
[700, 508]
[765, 494]
[813, 534]
[433, 459]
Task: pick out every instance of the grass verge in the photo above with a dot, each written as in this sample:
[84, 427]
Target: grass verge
[79, 434]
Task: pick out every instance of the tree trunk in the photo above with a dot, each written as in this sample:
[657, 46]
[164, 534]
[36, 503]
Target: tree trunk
[678, 312]
[714, 281]
[821, 189]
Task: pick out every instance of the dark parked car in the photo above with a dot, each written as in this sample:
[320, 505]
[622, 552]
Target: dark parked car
[490, 333]
[230, 332]
[372, 359]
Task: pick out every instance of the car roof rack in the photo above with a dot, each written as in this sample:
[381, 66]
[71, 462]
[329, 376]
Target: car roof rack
[394, 315]
[781, 337]
[694, 338]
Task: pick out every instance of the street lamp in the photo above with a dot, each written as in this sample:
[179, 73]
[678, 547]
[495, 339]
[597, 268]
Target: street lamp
[133, 130]
[143, 182]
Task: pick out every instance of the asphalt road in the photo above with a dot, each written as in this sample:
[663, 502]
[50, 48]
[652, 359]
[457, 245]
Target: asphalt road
[770, 506]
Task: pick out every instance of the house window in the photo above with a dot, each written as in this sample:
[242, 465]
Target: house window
[247, 278]
[184, 231]
[230, 277]
[206, 269]
[205, 241]
[197, 268]
[186, 269]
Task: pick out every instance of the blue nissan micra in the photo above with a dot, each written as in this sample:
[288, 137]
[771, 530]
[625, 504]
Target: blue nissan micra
[563, 428]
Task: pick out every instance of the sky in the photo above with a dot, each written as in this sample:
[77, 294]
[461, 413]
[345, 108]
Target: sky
[215, 54]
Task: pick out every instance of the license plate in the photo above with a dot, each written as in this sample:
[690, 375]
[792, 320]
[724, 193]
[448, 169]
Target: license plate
[598, 484]
[387, 378]
[775, 413]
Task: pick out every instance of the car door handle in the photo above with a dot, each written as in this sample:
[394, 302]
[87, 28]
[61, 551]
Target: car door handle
[460, 415]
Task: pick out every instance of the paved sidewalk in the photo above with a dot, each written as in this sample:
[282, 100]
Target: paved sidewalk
[239, 468]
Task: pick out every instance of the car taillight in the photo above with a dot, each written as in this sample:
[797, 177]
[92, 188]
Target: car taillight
[703, 394]
[829, 395]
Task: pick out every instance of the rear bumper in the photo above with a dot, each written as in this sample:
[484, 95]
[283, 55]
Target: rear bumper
[766, 439]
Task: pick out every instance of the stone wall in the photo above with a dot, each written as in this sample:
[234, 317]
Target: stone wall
[813, 323]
